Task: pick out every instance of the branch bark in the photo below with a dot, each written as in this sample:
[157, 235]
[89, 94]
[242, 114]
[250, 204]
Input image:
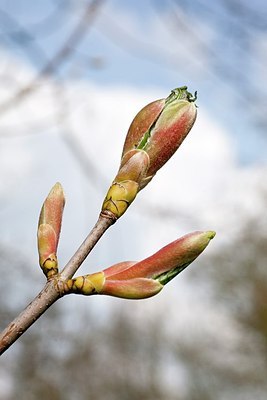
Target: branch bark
[53, 289]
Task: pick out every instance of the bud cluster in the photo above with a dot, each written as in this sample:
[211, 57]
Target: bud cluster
[153, 137]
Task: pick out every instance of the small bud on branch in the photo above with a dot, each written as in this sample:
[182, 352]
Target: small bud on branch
[139, 280]
[49, 228]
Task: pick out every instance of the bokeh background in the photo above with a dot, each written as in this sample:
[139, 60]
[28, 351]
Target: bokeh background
[72, 76]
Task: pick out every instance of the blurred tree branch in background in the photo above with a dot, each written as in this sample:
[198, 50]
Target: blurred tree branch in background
[60, 57]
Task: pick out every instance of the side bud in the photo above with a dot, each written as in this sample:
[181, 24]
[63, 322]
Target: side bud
[146, 278]
[49, 228]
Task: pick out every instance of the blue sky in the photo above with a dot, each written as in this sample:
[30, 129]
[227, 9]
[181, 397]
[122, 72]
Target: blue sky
[217, 48]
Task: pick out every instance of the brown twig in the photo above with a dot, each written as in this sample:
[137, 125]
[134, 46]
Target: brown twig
[52, 291]
[103, 223]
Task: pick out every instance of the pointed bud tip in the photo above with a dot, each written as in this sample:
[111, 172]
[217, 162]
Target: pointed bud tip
[199, 240]
[58, 185]
[57, 190]
[210, 234]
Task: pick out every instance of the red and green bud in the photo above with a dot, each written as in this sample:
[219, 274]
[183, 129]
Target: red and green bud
[139, 280]
[49, 228]
[153, 137]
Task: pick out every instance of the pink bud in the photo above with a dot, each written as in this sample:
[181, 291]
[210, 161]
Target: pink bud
[139, 280]
[49, 227]
[160, 128]
[172, 258]
[142, 123]
[47, 244]
[153, 137]
[133, 166]
[52, 210]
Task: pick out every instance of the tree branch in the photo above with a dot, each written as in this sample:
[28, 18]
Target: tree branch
[103, 223]
[52, 291]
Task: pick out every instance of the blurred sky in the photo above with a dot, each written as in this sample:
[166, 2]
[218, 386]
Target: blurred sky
[217, 48]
